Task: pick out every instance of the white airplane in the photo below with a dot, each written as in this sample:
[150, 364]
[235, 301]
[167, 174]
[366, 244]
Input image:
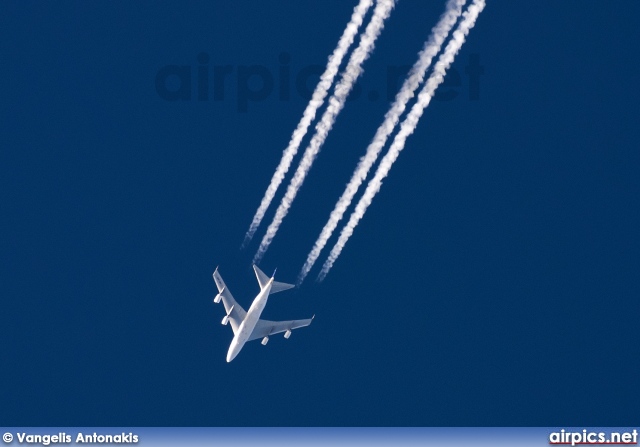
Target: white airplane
[248, 326]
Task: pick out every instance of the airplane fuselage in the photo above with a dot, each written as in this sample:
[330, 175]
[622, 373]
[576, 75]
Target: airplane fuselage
[249, 323]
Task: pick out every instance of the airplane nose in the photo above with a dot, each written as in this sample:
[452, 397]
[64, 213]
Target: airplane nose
[233, 351]
[231, 355]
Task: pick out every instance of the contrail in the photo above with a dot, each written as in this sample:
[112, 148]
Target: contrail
[336, 103]
[407, 127]
[317, 99]
[431, 48]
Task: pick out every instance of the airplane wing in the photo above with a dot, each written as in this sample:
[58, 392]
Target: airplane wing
[264, 328]
[234, 310]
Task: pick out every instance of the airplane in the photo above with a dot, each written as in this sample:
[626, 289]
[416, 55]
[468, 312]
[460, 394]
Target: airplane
[248, 326]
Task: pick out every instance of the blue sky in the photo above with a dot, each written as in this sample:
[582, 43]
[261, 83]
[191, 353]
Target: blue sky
[493, 281]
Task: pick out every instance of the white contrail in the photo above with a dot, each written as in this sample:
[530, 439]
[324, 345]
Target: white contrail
[431, 48]
[317, 99]
[407, 127]
[336, 103]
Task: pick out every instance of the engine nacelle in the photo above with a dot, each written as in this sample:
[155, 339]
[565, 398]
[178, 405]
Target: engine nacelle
[265, 341]
[287, 334]
[219, 296]
[225, 320]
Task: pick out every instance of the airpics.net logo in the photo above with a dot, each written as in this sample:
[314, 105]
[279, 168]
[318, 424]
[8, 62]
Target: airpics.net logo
[252, 83]
[585, 437]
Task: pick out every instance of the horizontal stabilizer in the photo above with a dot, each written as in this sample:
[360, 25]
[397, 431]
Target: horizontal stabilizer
[280, 286]
[263, 280]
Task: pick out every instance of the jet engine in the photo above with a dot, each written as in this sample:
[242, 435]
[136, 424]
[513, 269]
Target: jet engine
[219, 296]
[287, 334]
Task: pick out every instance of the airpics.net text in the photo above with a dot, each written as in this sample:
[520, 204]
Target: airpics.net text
[253, 83]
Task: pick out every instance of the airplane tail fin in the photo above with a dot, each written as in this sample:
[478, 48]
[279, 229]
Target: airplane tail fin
[276, 286]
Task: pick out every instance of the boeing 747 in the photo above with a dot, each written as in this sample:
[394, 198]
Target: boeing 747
[247, 325]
